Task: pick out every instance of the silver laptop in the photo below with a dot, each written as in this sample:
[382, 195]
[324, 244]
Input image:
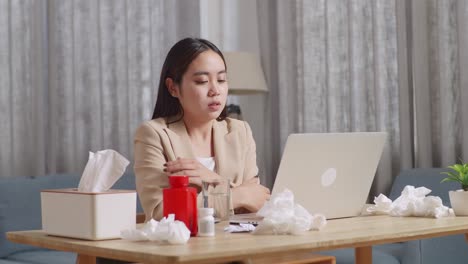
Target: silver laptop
[329, 173]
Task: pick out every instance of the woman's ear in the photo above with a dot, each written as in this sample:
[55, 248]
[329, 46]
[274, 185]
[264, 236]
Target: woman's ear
[172, 87]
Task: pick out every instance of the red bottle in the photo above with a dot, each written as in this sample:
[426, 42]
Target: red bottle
[181, 200]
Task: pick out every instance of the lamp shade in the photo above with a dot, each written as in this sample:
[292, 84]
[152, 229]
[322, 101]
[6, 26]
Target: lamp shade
[244, 73]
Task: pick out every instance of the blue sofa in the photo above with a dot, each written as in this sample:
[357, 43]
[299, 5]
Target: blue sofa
[450, 249]
[20, 209]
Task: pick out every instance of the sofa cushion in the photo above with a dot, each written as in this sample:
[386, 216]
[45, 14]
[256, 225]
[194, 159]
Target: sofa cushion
[346, 256]
[405, 252]
[43, 257]
[20, 205]
[5, 261]
[429, 178]
[127, 181]
[449, 249]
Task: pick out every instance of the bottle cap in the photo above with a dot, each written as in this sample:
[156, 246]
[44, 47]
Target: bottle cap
[205, 211]
[178, 181]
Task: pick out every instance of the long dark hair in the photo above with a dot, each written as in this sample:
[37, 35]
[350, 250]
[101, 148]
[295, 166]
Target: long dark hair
[176, 64]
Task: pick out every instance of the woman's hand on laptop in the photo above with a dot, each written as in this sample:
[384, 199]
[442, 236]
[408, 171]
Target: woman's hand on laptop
[192, 168]
[250, 195]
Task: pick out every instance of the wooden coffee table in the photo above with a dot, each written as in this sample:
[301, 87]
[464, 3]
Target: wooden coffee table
[360, 233]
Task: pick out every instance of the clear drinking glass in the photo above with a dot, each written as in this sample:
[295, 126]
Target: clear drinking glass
[217, 195]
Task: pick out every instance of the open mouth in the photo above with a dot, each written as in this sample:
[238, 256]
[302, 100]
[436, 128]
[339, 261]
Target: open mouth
[214, 104]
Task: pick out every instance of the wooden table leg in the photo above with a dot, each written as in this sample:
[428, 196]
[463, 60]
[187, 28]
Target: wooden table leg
[466, 238]
[363, 255]
[85, 259]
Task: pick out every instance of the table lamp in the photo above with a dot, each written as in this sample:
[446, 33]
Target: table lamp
[245, 76]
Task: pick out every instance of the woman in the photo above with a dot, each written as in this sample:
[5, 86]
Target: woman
[189, 127]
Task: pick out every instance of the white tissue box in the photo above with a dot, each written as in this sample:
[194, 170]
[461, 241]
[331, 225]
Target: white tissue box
[85, 215]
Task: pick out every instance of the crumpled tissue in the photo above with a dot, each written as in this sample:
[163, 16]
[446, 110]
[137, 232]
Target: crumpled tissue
[282, 216]
[167, 230]
[412, 202]
[103, 169]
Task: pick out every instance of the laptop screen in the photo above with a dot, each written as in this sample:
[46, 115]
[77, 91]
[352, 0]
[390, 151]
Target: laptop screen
[330, 173]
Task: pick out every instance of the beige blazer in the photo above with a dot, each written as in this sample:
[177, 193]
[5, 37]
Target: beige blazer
[157, 142]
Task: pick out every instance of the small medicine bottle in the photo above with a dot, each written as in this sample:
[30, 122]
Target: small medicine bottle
[206, 222]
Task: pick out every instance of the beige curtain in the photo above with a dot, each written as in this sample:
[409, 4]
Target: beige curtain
[23, 99]
[341, 67]
[79, 76]
[440, 81]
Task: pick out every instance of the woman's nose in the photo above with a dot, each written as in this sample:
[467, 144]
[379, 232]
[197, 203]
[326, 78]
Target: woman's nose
[214, 90]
